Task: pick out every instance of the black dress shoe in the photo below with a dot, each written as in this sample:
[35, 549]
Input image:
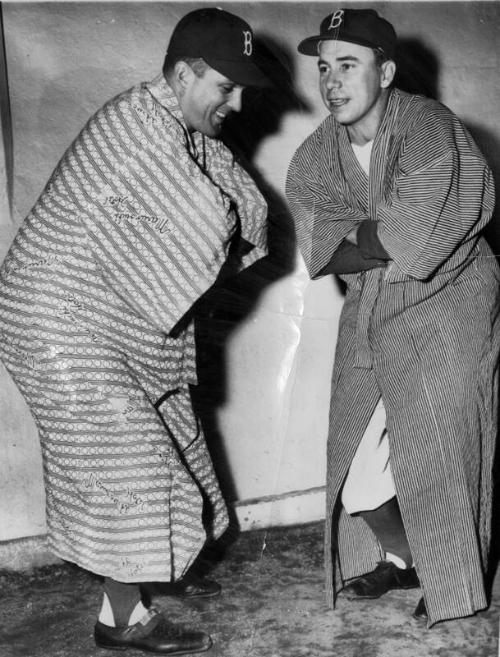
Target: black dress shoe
[420, 612]
[385, 577]
[191, 587]
[153, 633]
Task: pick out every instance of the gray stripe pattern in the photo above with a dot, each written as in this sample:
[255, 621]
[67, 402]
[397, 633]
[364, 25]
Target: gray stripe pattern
[131, 229]
[423, 334]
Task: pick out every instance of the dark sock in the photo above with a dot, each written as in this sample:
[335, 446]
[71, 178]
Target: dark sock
[387, 525]
[123, 599]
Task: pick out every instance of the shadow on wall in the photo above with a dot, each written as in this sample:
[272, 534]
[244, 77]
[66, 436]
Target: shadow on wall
[233, 297]
[418, 68]
[5, 125]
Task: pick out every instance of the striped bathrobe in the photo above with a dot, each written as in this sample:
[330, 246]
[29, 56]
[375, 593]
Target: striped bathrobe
[423, 333]
[131, 229]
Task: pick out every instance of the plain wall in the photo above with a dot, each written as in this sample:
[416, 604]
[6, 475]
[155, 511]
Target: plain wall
[268, 421]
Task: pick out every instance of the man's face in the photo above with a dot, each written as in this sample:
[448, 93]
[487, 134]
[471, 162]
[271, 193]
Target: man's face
[207, 100]
[352, 84]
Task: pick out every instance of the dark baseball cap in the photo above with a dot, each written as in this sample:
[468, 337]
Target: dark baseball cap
[362, 26]
[223, 40]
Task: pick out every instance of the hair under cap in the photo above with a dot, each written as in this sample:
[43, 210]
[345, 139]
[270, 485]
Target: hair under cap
[223, 40]
[361, 26]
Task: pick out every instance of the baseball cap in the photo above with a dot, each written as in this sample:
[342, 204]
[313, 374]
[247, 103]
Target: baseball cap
[223, 40]
[362, 26]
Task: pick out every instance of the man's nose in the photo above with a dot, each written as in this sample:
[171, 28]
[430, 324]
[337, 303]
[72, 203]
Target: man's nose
[235, 100]
[333, 81]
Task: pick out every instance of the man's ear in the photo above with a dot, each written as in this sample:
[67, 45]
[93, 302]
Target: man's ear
[388, 69]
[183, 74]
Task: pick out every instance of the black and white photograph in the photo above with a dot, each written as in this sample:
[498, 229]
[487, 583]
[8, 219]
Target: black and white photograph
[250, 328]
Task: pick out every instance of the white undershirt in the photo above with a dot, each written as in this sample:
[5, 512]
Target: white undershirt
[363, 155]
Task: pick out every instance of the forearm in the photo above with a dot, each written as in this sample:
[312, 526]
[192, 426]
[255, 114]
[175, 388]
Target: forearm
[369, 242]
[348, 259]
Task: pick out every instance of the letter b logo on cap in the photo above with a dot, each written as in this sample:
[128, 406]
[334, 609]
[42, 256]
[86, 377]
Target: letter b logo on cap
[247, 43]
[337, 19]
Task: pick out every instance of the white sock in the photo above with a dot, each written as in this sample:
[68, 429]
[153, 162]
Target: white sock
[106, 616]
[397, 561]
[138, 612]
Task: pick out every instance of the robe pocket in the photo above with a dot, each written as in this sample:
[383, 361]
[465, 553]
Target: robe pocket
[424, 184]
[477, 278]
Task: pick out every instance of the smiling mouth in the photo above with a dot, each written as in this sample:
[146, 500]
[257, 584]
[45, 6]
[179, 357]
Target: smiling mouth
[337, 102]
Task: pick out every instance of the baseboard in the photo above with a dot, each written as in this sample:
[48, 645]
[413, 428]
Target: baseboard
[24, 554]
[295, 508]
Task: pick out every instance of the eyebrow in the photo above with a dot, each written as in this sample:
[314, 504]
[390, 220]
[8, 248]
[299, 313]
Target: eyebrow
[346, 58]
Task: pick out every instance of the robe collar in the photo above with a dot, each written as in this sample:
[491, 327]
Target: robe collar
[165, 95]
[355, 176]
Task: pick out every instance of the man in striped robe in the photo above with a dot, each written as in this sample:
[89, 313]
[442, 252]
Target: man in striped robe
[391, 192]
[95, 297]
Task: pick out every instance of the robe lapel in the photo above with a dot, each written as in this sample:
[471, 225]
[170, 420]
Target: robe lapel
[356, 178]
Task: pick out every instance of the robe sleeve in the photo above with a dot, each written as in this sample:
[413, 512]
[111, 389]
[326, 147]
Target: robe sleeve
[246, 200]
[442, 198]
[348, 259]
[322, 221]
[159, 230]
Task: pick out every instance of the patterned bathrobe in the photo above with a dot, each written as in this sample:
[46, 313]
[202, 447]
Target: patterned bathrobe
[423, 333]
[131, 229]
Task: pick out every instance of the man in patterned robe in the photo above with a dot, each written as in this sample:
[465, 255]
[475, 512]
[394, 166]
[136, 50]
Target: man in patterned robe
[131, 230]
[391, 192]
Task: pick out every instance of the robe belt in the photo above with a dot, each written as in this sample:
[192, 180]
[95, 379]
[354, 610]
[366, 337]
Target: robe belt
[370, 283]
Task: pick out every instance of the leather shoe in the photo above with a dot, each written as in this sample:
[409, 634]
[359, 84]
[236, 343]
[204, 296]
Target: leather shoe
[420, 610]
[191, 587]
[385, 577]
[153, 633]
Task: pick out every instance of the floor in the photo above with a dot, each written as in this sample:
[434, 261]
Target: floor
[272, 605]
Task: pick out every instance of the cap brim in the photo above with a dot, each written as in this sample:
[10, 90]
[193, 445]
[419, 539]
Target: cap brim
[247, 74]
[310, 45]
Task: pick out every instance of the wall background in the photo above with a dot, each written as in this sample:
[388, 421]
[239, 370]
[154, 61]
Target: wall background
[269, 347]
